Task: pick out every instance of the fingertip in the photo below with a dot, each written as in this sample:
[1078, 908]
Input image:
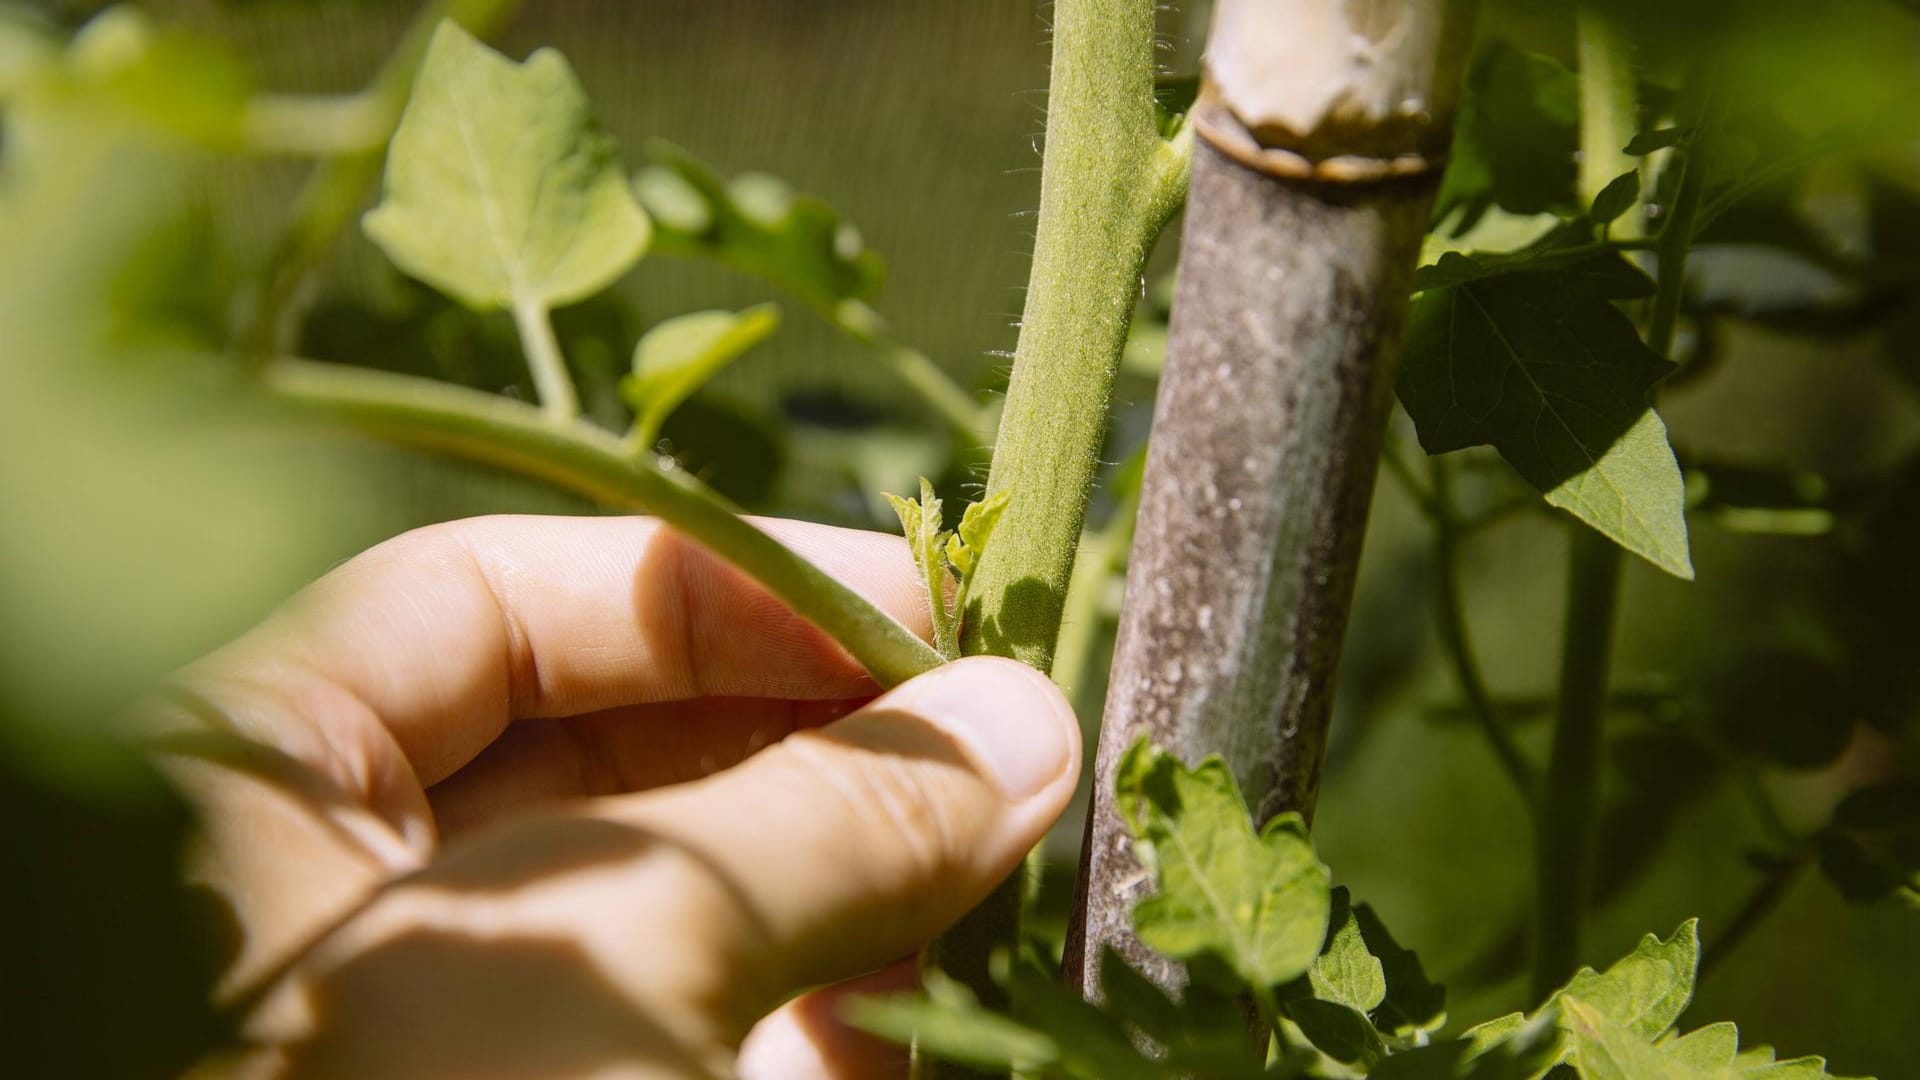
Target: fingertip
[1011, 718]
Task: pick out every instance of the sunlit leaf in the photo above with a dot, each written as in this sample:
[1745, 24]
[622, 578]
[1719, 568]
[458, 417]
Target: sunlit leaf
[1257, 903]
[756, 225]
[499, 189]
[1543, 367]
[680, 355]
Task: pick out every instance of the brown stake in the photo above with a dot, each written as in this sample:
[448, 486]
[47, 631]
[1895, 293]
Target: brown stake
[1305, 218]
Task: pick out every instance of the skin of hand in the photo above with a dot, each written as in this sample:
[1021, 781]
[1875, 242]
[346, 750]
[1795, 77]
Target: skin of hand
[530, 797]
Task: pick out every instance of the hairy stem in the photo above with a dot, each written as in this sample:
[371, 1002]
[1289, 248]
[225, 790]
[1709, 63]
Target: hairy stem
[577, 456]
[545, 363]
[338, 186]
[1108, 182]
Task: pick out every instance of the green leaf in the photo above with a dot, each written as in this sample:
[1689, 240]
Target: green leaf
[499, 190]
[1510, 1048]
[1545, 369]
[1203, 1033]
[680, 355]
[1890, 805]
[1091, 1043]
[1345, 972]
[1645, 991]
[1257, 903]
[1707, 1048]
[1648, 142]
[969, 542]
[1605, 1050]
[1618, 197]
[1515, 138]
[1413, 1003]
[946, 1020]
[1338, 1031]
[920, 521]
[757, 225]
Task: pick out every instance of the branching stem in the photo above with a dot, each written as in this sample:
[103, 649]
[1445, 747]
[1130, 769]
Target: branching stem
[580, 457]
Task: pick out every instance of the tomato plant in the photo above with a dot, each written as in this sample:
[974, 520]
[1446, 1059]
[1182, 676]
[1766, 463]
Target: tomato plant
[1542, 259]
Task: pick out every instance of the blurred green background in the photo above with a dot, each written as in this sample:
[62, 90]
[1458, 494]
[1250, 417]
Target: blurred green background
[153, 507]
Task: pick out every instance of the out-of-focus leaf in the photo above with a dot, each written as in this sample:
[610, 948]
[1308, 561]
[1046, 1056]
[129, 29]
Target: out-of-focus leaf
[756, 225]
[1893, 804]
[1203, 1032]
[680, 355]
[946, 1020]
[1515, 138]
[124, 65]
[1341, 1032]
[1091, 1042]
[1618, 197]
[1856, 872]
[1256, 903]
[499, 189]
[1543, 367]
[1648, 142]
[1604, 276]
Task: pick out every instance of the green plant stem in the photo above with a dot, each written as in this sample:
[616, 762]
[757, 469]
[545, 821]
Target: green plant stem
[580, 457]
[545, 362]
[338, 186]
[1566, 836]
[1450, 609]
[1108, 183]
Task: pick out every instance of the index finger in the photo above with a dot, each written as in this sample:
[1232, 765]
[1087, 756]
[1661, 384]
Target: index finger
[444, 635]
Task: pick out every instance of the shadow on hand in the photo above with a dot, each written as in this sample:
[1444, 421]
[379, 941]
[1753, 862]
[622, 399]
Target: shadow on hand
[440, 1003]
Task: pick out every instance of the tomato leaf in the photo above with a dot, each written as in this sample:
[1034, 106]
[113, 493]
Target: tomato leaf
[1543, 367]
[499, 189]
[678, 356]
[1255, 902]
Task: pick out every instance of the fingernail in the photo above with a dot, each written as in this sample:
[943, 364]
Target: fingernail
[1014, 720]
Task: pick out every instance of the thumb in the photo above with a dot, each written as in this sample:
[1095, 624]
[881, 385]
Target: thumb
[843, 848]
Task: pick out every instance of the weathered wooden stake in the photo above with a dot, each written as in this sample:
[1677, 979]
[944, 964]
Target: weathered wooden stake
[1323, 125]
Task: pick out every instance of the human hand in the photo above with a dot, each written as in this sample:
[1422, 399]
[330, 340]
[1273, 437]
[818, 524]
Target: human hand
[545, 797]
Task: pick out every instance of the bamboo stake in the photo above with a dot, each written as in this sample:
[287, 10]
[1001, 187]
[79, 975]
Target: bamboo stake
[1323, 128]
